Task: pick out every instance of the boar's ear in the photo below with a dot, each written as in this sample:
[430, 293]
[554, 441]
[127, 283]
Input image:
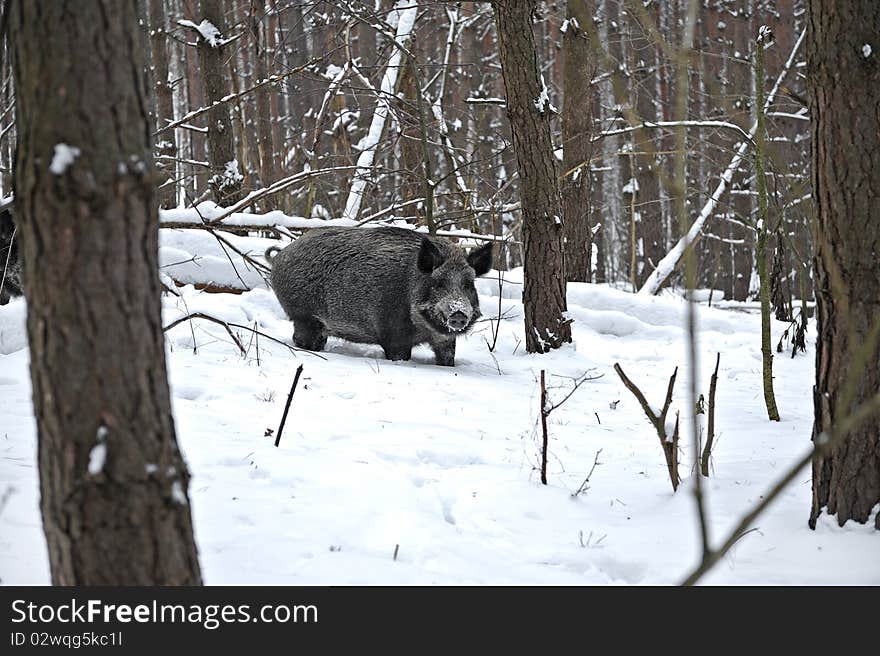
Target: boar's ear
[429, 256]
[481, 259]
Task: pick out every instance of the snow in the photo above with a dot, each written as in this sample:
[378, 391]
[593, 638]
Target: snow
[63, 158]
[206, 29]
[196, 257]
[177, 493]
[542, 102]
[440, 462]
[97, 457]
[333, 71]
[569, 22]
[631, 187]
[230, 176]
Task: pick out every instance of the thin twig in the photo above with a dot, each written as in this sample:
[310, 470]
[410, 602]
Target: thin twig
[583, 486]
[822, 446]
[200, 315]
[208, 317]
[235, 96]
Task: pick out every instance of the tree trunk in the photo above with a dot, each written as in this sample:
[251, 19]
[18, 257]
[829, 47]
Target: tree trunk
[227, 178]
[409, 140]
[844, 95]
[265, 145]
[763, 237]
[194, 144]
[528, 109]
[650, 245]
[113, 483]
[577, 149]
[164, 104]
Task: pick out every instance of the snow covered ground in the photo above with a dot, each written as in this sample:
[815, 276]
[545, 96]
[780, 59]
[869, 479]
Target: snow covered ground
[439, 463]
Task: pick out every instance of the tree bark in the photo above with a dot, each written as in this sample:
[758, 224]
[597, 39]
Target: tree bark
[113, 484]
[650, 244]
[409, 139]
[577, 148]
[844, 96]
[227, 178]
[528, 110]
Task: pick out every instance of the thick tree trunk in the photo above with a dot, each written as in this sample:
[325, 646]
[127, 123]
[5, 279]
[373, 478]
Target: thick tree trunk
[113, 483]
[528, 109]
[226, 176]
[577, 149]
[164, 103]
[843, 76]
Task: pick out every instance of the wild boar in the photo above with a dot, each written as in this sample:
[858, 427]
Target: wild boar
[388, 286]
[10, 261]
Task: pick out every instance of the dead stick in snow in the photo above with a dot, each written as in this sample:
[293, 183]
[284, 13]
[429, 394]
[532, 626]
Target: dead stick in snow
[544, 414]
[287, 405]
[710, 433]
[669, 443]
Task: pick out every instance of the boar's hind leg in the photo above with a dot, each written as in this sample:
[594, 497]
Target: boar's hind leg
[444, 351]
[308, 333]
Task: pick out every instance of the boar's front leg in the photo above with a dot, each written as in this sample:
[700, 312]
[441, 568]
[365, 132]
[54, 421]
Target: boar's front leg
[444, 351]
[397, 341]
[397, 350]
[308, 333]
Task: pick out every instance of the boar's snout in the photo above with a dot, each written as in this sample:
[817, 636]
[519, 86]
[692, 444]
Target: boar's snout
[459, 315]
[458, 321]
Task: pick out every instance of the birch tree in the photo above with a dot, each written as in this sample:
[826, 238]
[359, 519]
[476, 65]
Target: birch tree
[403, 15]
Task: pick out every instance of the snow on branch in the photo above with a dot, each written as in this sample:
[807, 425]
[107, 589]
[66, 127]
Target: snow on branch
[672, 259]
[404, 12]
[208, 33]
[672, 124]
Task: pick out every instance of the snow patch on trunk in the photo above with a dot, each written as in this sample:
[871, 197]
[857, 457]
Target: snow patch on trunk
[64, 156]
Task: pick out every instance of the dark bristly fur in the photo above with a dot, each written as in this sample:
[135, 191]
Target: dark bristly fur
[388, 286]
[10, 262]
